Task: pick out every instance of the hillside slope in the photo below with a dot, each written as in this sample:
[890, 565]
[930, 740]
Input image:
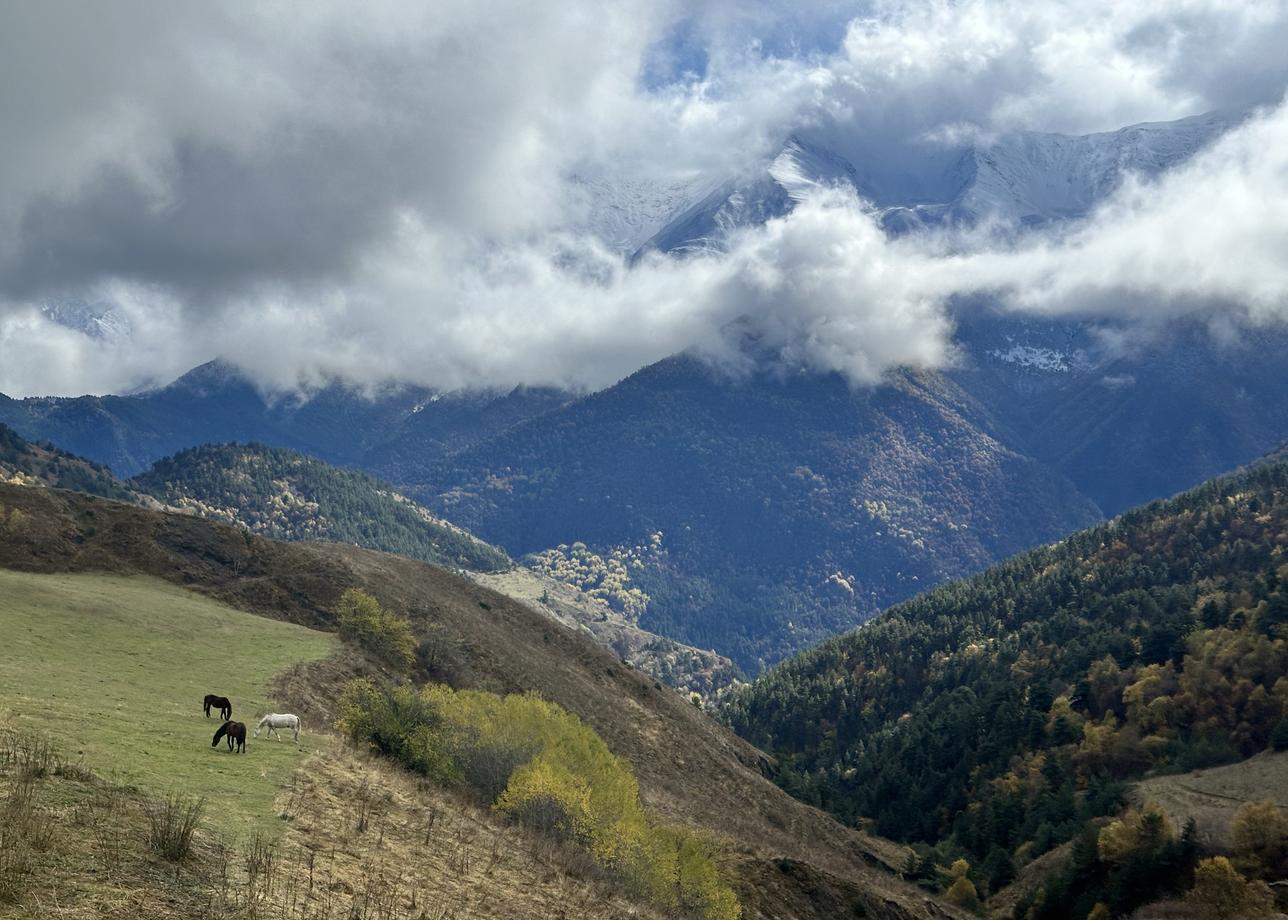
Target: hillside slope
[25, 463]
[789, 509]
[790, 860]
[84, 652]
[992, 716]
[279, 493]
[286, 495]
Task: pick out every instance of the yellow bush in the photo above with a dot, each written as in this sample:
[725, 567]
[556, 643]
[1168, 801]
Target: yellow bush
[1260, 831]
[537, 762]
[1220, 893]
[364, 621]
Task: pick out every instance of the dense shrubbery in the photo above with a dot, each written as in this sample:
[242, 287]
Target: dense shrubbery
[285, 495]
[537, 762]
[993, 717]
[1116, 868]
[385, 634]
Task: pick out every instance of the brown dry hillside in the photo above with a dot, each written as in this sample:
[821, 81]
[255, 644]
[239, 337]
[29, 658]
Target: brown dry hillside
[1212, 796]
[791, 860]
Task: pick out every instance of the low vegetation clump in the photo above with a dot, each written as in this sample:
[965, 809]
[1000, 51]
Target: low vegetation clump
[538, 763]
[607, 577]
[1221, 893]
[172, 820]
[1115, 868]
[384, 633]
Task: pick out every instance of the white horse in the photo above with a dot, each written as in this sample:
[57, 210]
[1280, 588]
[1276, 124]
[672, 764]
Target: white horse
[275, 720]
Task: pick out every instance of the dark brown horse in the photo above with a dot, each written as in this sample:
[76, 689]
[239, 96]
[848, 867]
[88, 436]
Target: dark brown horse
[221, 703]
[235, 731]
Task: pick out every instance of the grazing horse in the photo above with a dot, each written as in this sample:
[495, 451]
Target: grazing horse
[235, 731]
[275, 720]
[218, 702]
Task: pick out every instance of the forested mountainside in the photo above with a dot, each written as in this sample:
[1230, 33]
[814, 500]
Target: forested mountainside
[787, 509]
[22, 462]
[784, 859]
[1129, 414]
[280, 493]
[992, 717]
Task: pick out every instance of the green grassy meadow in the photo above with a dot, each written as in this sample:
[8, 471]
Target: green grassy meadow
[114, 670]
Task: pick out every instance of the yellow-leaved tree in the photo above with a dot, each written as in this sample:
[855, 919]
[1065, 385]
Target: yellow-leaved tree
[380, 631]
[1221, 893]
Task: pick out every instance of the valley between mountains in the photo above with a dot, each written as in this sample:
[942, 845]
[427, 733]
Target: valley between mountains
[745, 633]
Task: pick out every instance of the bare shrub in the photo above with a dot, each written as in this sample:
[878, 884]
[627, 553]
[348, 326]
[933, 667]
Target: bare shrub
[261, 863]
[24, 830]
[29, 753]
[486, 769]
[546, 814]
[171, 823]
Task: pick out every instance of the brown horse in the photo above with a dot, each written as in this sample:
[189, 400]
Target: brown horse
[221, 703]
[235, 731]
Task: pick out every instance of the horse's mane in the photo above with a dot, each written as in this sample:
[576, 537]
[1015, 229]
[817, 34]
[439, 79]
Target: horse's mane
[230, 727]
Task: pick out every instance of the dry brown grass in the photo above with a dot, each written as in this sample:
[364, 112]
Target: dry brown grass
[361, 841]
[1212, 796]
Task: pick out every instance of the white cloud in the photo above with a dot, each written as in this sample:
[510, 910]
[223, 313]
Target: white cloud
[311, 191]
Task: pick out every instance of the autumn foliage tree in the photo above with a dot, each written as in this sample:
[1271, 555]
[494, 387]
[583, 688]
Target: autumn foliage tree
[380, 631]
[1260, 832]
[1221, 893]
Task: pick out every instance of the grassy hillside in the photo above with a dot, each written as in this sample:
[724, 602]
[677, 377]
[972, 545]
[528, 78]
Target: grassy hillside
[285, 495]
[788, 860]
[355, 839]
[991, 718]
[114, 669]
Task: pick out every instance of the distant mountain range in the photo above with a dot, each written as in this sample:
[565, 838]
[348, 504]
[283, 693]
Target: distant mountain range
[789, 505]
[1016, 180]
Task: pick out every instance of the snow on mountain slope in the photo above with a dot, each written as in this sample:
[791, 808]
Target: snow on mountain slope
[97, 320]
[623, 211]
[1020, 179]
[1035, 178]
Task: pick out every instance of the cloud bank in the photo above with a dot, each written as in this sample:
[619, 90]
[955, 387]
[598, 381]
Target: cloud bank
[393, 195]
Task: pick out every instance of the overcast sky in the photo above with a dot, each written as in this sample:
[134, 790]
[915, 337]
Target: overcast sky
[395, 190]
